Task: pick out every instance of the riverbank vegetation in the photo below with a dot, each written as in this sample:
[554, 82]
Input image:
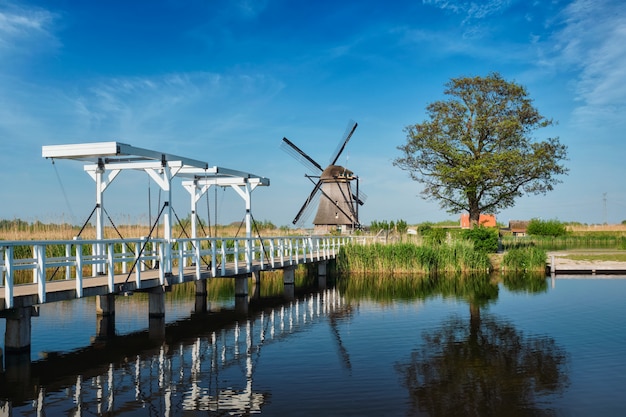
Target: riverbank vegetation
[524, 259]
[459, 256]
[555, 235]
[392, 246]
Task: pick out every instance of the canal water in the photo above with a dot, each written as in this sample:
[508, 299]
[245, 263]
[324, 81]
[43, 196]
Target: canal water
[366, 346]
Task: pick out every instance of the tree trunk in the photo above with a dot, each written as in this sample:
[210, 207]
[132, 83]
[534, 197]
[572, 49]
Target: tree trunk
[474, 217]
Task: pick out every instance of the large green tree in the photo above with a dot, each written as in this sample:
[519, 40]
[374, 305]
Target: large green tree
[476, 152]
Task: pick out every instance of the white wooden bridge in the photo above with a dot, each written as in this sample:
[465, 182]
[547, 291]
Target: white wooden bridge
[37, 272]
[127, 266]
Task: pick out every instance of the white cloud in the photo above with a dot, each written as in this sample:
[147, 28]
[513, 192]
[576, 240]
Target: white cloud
[593, 43]
[171, 104]
[471, 9]
[26, 30]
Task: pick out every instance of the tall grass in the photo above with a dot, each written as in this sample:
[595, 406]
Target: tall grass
[595, 240]
[458, 256]
[524, 259]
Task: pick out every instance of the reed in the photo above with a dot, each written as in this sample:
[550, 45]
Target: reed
[403, 258]
[590, 240]
[524, 259]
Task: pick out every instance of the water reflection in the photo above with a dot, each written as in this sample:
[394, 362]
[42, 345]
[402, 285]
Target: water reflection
[211, 371]
[484, 366]
[374, 345]
[527, 282]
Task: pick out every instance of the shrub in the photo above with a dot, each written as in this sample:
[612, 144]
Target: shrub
[539, 227]
[485, 238]
[424, 228]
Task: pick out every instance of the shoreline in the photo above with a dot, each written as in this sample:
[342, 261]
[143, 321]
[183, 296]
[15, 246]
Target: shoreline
[558, 263]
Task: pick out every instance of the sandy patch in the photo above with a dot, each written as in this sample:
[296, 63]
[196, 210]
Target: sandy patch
[560, 260]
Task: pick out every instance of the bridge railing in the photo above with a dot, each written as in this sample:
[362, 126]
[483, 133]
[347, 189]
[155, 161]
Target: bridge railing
[38, 262]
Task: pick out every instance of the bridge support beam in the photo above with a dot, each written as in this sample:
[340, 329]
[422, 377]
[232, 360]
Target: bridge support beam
[201, 296]
[156, 313]
[105, 327]
[241, 286]
[322, 268]
[289, 282]
[256, 276]
[255, 294]
[241, 294]
[105, 305]
[105, 316]
[17, 336]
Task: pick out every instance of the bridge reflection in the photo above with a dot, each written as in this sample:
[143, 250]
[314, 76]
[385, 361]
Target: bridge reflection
[204, 363]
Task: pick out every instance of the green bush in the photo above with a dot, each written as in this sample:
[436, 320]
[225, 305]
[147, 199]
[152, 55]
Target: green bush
[424, 228]
[539, 227]
[485, 239]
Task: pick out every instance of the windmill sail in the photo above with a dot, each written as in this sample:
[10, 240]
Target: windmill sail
[344, 141]
[312, 197]
[337, 203]
[289, 147]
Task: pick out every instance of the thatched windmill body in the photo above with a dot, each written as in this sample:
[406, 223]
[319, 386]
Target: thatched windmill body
[336, 188]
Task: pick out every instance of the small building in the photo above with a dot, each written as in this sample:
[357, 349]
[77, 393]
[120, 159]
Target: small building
[487, 220]
[518, 227]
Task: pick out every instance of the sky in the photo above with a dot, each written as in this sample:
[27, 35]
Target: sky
[223, 81]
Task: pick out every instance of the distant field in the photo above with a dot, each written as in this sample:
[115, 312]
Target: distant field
[65, 232]
[597, 228]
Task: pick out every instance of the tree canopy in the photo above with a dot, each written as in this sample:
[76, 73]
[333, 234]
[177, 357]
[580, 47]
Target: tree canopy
[476, 152]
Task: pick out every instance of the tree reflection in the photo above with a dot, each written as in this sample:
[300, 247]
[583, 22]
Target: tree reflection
[482, 368]
[529, 282]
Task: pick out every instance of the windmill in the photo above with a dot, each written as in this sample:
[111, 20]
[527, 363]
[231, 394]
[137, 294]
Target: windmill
[338, 208]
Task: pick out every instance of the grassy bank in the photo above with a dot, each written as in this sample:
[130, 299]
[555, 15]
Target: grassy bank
[400, 258]
[456, 257]
[577, 240]
[524, 260]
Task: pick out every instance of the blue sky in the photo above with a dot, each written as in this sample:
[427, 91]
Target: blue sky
[224, 81]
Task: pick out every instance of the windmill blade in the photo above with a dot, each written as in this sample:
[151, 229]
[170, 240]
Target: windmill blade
[289, 147]
[361, 198]
[344, 141]
[308, 211]
[343, 352]
[308, 201]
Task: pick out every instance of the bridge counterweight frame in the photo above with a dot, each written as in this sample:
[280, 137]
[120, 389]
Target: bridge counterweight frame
[105, 160]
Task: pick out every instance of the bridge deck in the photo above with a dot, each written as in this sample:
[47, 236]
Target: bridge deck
[27, 295]
[234, 257]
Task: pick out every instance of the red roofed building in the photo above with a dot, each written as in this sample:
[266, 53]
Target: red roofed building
[487, 220]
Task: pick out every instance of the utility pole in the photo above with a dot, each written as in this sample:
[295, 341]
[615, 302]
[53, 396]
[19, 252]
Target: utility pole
[604, 201]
